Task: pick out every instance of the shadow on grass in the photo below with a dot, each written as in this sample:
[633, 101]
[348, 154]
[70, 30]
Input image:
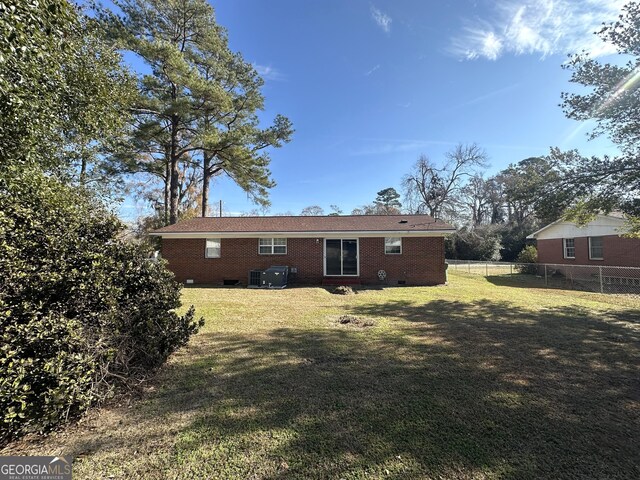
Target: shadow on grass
[457, 390]
[558, 282]
[522, 280]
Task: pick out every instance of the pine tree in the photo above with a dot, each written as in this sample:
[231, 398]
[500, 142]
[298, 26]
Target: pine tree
[387, 201]
[198, 106]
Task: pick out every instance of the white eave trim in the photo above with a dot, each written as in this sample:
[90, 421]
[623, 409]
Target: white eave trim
[535, 234]
[319, 234]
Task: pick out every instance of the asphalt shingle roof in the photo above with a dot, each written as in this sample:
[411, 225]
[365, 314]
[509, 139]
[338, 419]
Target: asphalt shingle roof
[341, 223]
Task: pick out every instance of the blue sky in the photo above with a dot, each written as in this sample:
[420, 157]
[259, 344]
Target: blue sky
[369, 86]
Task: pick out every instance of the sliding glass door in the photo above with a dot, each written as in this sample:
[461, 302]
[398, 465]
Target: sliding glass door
[341, 257]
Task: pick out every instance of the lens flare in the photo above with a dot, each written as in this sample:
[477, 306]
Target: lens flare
[627, 84]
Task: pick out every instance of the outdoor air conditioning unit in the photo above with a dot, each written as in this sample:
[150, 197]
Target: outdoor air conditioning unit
[275, 277]
[255, 279]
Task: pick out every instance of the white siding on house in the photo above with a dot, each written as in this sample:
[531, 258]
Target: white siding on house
[601, 226]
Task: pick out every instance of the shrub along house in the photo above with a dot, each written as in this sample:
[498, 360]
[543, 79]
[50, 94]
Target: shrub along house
[367, 249]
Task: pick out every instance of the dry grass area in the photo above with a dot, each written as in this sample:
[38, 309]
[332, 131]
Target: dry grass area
[472, 380]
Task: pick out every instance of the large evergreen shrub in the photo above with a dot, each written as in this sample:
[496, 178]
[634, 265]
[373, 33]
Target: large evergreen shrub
[481, 243]
[81, 310]
[527, 260]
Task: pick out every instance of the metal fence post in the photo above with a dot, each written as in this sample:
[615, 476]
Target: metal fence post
[469, 265]
[600, 275]
[486, 269]
[546, 281]
[511, 269]
[571, 275]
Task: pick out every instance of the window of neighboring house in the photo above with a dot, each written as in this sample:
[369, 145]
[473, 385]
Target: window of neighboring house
[212, 249]
[569, 247]
[272, 246]
[393, 245]
[596, 250]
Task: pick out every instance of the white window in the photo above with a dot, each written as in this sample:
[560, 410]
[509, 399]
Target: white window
[569, 246]
[272, 246]
[212, 250]
[393, 245]
[596, 250]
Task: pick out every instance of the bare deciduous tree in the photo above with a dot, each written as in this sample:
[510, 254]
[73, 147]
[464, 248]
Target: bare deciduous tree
[474, 197]
[484, 201]
[433, 189]
[312, 211]
[335, 210]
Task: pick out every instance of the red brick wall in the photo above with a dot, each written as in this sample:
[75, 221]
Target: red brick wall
[618, 251]
[421, 261]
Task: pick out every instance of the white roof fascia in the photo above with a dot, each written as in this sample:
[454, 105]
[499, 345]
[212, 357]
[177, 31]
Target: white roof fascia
[534, 234]
[316, 234]
[617, 219]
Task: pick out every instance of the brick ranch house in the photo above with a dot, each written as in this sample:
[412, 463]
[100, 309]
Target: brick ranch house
[409, 249]
[597, 243]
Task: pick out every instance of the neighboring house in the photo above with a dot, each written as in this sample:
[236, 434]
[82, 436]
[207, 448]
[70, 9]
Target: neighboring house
[367, 249]
[597, 243]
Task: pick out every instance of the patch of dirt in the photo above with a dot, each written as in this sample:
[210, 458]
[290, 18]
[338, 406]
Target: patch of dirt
[343, 290]
[355, 321]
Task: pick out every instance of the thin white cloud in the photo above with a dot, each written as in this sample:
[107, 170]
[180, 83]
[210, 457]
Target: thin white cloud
[267, 72]
[369, 72]
[382, 19]
[541, 27]
[487, 96]
[385, 146]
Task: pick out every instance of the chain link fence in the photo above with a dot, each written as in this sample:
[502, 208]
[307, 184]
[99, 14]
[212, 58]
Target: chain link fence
[594, 278]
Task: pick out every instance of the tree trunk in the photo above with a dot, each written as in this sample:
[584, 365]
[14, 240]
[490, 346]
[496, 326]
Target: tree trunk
[173, 192]
[206, 177]
[173, 189]
[206, 169]
[495, 215]
[167, 179]
[83, 171]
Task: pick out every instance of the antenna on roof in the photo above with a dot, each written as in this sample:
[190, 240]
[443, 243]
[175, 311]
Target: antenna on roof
[220, 208]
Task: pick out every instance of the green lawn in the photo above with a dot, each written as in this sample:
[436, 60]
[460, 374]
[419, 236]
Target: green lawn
[478, 379]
